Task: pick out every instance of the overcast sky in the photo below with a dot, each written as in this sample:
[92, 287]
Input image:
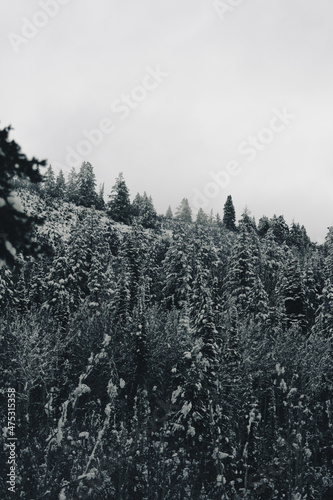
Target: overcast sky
[182, 91]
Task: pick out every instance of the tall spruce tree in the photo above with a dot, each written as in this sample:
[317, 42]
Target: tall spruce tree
[324, 315]
[100, 203]
[86, 185]
[293, 291]
[229, 214]
[169, 214]
[243, 285]
[136, 205]
[184, 212]
[202, 217]
[72, 194]
[60, 186]
[177, 269]
[143, 210]
[263, 226]
[280, 228]
[50, 183]
[119, 205]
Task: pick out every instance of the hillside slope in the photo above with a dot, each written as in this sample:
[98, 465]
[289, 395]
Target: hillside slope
[185, 361]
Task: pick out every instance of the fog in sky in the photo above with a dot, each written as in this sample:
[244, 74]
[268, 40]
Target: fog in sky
[192, 98]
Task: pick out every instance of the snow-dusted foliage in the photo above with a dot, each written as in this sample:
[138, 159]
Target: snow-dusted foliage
[165, 359]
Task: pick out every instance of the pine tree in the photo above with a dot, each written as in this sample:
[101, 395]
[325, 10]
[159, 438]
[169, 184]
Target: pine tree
[218, 221]
[229, 214]
[143, 210]
[50, 183]
[133, 261]
[263, 226]
[169, 214]
[56, 286]
[60, 186]
[243, 286]
[280, 228]
[119, 206]
[184, 212]
[7, 289]
[329, 256]
[121, 303]
[298, 237]
[201, 217]
[272, 263]
[136, 205]
[21, 288]
[177, 269]
[100, 274]
[36, 279]
[140, 340]
[248, 222]
[292, 291]
[86, 185]
[100, 203]
[200, 415]
[324, 314]
[72, 194]
[312, 291]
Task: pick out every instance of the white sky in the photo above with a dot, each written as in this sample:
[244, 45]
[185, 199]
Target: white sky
[225, 76]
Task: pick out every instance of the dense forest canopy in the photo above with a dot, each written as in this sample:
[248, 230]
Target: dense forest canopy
[165, 357]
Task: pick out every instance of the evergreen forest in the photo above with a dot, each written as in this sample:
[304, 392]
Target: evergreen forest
[160, 357]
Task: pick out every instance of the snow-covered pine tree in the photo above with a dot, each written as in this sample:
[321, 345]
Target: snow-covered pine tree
[202, 218]
[279, 228]
[101, 280]
[119, 205]
[86, 185]
[184, 212]
[72, 192]
[324, 313]
[243, 286]
[292, 291]
[143, 211]
[169, 214]
[100, 203]
[49, 183]
[177, 270]
[60, 186]
[229, 214]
